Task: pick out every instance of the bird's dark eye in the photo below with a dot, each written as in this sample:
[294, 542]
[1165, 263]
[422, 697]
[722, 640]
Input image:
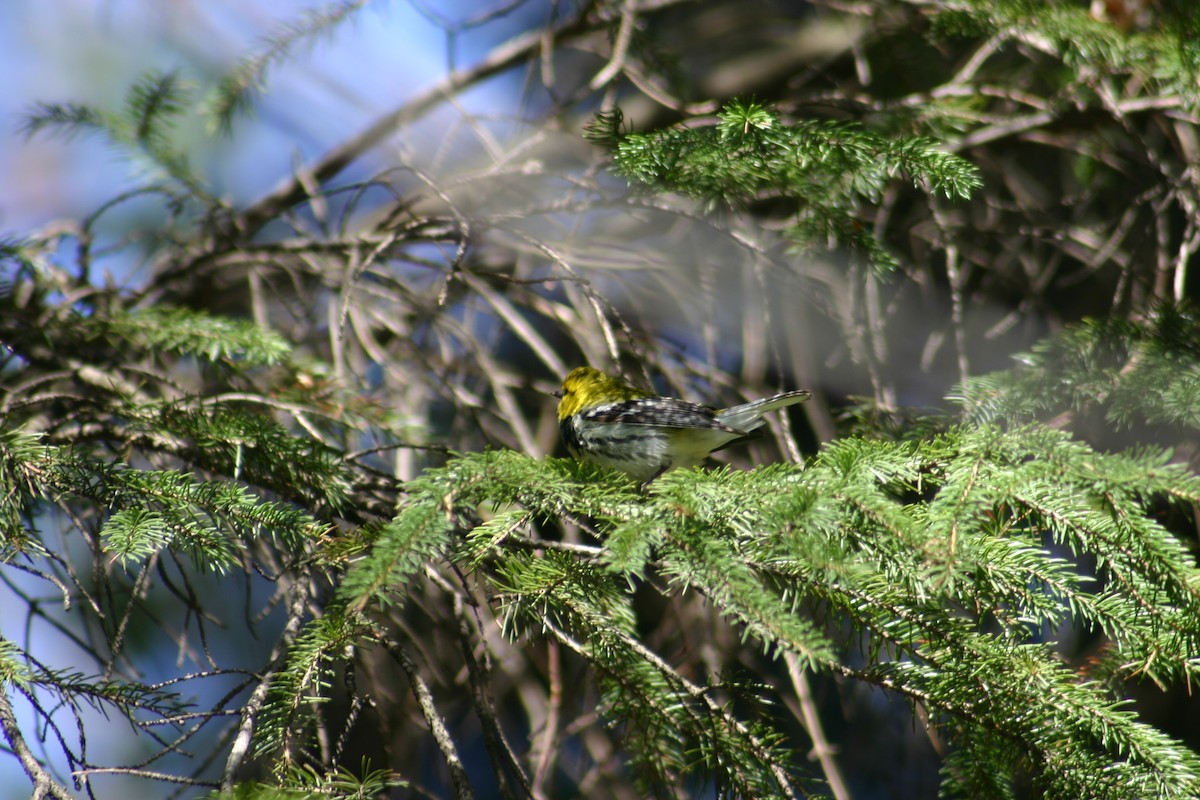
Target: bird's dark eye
[557, 393]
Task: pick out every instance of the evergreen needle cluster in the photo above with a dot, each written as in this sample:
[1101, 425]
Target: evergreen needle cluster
[956, 555]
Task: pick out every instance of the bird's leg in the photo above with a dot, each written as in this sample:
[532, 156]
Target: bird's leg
[646, 483]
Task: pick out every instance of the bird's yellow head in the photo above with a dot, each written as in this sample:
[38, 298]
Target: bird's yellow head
[585, 388]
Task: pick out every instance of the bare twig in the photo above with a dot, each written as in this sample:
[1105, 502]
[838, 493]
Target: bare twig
[437, 727]
[258, 698]
[44, 784]
[620, 46]
[508, 55]
[822, 750]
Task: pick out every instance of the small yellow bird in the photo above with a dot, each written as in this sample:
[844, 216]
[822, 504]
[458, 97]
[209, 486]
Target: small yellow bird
[610, 423]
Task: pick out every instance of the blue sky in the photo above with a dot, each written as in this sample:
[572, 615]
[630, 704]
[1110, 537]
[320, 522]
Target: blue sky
[91, 50]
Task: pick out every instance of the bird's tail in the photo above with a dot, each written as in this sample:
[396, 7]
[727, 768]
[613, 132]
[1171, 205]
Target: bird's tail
[748, 416]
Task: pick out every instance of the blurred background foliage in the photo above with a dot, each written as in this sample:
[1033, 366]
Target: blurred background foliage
[438, 210]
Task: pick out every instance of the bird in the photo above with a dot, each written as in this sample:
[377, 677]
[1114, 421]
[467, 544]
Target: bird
[606, 421]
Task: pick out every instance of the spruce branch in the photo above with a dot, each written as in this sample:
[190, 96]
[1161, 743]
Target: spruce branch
[825, 169]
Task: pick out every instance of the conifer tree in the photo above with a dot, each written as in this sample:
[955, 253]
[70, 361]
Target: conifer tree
[287, 496]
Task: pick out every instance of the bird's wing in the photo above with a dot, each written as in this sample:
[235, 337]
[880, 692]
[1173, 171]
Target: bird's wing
[663, 412]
